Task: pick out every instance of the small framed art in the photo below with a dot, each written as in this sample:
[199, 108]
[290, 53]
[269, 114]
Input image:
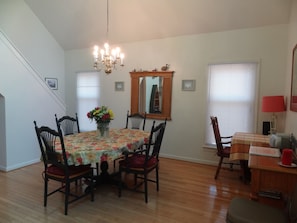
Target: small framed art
[119, 86]
[52, 83]
[188, 85]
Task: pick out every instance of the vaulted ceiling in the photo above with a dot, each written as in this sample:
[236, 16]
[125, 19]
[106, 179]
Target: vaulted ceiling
[79, 24]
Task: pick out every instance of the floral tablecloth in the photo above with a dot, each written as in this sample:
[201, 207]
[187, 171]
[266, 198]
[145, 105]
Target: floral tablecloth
[241, 142]
[87, 148]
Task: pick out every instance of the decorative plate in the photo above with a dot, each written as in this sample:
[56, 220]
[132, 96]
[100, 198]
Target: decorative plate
[293, 165]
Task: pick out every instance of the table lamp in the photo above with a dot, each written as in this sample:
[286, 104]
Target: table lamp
[273, 104]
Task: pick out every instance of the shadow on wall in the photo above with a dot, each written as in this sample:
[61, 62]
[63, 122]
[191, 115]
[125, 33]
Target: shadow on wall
[2, 131]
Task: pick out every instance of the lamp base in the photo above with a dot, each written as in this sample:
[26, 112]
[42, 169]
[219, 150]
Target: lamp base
[273, 124]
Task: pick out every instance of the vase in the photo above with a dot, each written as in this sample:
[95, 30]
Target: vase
[103, 129]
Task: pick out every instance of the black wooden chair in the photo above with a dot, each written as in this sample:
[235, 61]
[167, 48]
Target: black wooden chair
[134, 121]
[56, 167]
[69, 125]
[142, 162]
[223, 144]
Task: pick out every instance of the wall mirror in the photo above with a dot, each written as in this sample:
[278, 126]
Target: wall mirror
[293, 101]
[151, 93]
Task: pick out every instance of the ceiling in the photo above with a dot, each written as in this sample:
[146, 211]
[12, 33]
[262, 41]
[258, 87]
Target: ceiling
[77, 24]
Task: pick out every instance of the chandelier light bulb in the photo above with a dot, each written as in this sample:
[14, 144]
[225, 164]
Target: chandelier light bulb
[118, 51]
[95, 52]
[113, 53]
[106, 46]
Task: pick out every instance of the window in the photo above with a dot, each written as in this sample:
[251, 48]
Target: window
[88, 97]
[232, 97]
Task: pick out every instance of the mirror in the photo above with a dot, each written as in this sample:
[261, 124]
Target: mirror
[293, 104]
[151, 93]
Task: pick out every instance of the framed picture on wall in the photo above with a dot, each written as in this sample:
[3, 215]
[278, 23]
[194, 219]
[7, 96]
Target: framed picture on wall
[52, 83]
[188, 85]
[119, 86]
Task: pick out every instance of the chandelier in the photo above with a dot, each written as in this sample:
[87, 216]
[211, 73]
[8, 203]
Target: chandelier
[109, 58]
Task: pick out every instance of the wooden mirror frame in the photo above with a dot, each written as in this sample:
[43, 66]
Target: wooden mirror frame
[293, 99]
[166, 93]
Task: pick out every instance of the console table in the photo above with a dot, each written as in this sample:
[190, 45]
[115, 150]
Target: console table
[269, 176]
[240, 146]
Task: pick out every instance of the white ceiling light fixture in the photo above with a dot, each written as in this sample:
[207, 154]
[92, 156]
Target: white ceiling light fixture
[109, 58]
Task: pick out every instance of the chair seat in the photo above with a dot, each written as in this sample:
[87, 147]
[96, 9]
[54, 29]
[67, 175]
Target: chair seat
[137, 161]
[73, 170]
[225, 152]
[242, 210]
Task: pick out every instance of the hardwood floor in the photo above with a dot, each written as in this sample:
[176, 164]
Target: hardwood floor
[188, 193]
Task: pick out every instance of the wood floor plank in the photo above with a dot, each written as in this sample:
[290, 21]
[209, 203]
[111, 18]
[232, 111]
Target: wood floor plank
[188, 193]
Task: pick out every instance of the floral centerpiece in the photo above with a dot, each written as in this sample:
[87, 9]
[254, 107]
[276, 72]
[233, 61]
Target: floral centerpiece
[102, 115]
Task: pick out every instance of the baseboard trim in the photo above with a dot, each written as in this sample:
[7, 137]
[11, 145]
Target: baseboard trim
[193, 160]
[19, 165]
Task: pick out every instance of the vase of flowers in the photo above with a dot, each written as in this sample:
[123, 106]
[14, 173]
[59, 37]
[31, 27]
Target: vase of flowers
[102, 115]
[103, 130]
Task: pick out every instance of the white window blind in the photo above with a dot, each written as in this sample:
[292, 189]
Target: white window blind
[232, 94]
[88, 97]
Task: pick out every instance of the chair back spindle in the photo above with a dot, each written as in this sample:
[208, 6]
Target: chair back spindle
[217, 134]
[155, 140]
[48, 139]
[69, 125]
[135, 120]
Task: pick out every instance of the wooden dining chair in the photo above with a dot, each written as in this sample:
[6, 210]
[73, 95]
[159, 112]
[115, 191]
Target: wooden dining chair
[135, 120]
[223, 145]
[142, 162]
[69, 125]
[56, 167]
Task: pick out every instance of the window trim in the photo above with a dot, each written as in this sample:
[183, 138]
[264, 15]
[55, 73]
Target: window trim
[257, 93]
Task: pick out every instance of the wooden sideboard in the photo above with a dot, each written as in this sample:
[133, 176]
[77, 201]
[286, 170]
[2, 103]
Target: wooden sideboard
[268, 175]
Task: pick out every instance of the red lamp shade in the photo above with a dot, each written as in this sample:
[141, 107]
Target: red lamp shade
[273, 104]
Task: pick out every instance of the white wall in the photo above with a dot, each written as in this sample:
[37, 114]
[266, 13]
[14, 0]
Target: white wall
[33, 40]
[188, 56]
[25, 98]
[28, 54]
[2, 132]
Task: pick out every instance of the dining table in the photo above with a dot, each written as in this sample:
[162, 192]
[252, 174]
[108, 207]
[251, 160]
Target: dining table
[240, 146]
[241, 142]
[90, 148]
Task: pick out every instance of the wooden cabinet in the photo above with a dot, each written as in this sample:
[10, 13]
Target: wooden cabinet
[268, 175]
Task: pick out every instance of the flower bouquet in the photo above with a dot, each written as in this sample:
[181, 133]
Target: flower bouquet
[102, 115]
